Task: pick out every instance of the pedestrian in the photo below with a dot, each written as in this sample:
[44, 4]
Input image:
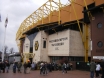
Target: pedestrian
[50, 67]
[41, 68]
[71, 66]
[32, 66]
[7, 66]
[98, 67]
[102, 69]
[45, 68]
[3, 67]
[28, 66]
[25, 67]
[92, 68]
[0, 67]
[64, 68]
[14, 67]
[19, 65]
[68, 66]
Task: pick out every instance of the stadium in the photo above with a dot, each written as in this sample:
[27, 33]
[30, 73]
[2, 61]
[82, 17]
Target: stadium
[58, 33]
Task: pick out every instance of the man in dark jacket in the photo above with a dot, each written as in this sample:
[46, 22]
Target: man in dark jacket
[7, 66]
[28, 66]
[92, 68]
[14, 67]
[3, 67]
[102, 67]
[19, 65]
[0, 66]
[25, 67]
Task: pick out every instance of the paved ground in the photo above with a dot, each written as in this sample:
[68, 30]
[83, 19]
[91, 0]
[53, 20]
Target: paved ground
[53, 74]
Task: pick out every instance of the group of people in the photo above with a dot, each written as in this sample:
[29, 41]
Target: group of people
[4, 67]
[17, 66]
[26, 65]
[43, 68]
[97, 68]
[49, 67]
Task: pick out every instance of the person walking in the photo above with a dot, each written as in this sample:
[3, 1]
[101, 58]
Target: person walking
[0, 66]
[3, 67]
[14, 67]
[45, 68]
[98, 67]
[71, 66]
[19, 65]
[64, 68]
[41, 68]
[28, 66]
[102, 69]
[92, 68]
[25, 67]
[32, 66]
[7, 66]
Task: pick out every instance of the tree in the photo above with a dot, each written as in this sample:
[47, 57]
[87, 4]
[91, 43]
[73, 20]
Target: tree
[5, 53]
[5, 49]
[0, 55]
[11, 50]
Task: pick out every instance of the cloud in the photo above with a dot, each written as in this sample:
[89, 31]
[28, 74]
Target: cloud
[16, 11]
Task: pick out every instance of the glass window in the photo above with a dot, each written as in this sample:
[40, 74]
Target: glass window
[100, 44]
[99, 25]
[44, 44]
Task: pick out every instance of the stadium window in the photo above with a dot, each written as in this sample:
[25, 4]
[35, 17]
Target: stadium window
[100, 44]
[99, 25]
[44, 44]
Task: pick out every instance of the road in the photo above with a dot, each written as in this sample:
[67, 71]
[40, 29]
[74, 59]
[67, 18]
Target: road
[53, 74]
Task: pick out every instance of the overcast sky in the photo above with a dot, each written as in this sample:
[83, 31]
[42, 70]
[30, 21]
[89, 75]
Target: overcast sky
[16, 11]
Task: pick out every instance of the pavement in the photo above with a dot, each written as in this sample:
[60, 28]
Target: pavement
[53, 74]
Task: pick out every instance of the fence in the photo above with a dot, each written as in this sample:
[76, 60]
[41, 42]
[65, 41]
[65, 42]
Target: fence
[83, 66]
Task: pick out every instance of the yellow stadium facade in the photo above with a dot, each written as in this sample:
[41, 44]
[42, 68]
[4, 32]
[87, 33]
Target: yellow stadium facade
[59, 33]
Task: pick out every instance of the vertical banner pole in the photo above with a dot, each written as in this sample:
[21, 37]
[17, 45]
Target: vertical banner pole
[4, 45]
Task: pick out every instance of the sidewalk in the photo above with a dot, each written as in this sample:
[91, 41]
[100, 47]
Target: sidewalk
[53, 74]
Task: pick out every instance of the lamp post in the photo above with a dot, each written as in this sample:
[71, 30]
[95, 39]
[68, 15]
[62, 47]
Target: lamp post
[14, 57]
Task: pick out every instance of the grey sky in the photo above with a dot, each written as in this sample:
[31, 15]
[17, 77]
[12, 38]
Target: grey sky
[16, 11]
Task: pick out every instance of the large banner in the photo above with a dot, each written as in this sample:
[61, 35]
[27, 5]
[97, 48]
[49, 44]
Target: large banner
[58, 44]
